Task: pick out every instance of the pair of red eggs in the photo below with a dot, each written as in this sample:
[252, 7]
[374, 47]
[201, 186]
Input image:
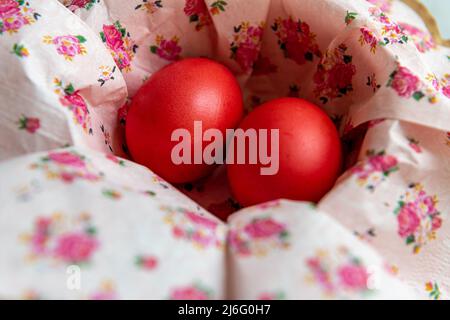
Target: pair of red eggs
[197, 90]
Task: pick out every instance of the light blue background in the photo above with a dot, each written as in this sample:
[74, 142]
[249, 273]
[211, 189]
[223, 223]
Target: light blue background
[441, 11]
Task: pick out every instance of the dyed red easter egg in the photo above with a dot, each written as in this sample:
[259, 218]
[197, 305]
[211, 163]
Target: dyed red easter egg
[309, 154]
[189, 90]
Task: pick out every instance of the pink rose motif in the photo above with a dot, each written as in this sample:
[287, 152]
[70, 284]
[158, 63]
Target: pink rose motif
[122, 59]
[296, 51]
[376, 163]
[80, 109]
[32, 125]
[169, 50]
[67, 177]
[178, 232]
[80, 114]
[417, 216]
[246, 54]
[74, 99]
[369, 37]
[340, 76]
[77, 4]
[436, 222]
[150, 263]
[67, 45]
[408, 221]
[8, 8]
[264, 228]
[195, 7]
[113, 37]
[245, 46]
[296, 40]
[386, 21]
[446, 91]
[291, 28]
[360, 171]
[383, 163]
[333, 77]
[237, 243]
[255, 32]
[189, 293]
[435, 83]
[147, 262]
[404, 82]
[15, 24]
[38, 241]
[40, 235]
[75, 247]
[353, 277]
[67, 158]
[298, 44]
[42, 224]
[427, 201]
[202, 221]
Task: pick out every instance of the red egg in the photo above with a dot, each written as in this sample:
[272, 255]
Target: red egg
[189, 90]
[309, 154]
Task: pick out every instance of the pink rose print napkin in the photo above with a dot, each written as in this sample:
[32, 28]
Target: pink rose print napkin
[69, 70]
[397, 200]
[58, 86]
[286, 249]
[130, 235]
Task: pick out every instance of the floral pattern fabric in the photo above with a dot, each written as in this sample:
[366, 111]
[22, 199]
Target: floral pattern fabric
[166, 49]
[46, 48]
[68, 46]
[296, 40]
[418, 217]
[258, 237]
[49, 239]
[377, 168]
[120, 44]
[198, 13]
[14, 14]
[246, 44]
[350, 275]
[71, 98]
[334, 76]
[73, 5]
[61, 239]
